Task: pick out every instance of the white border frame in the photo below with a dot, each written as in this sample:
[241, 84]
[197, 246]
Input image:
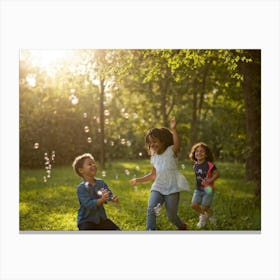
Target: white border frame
[135, 24]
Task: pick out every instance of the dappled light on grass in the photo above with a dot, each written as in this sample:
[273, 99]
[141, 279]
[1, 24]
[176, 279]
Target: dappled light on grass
[53, 206]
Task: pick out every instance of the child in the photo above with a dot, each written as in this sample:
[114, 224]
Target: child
[92, 194]
[206, 173]
[163, 146]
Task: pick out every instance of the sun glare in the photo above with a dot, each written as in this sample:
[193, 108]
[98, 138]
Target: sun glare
[50, 60]
[46, 58]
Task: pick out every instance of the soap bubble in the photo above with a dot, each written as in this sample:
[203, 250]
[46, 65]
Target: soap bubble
[123, 141]
[36, 146]
[107, 113]
[53, 155]
[137, 167]
[74, 99]
[128, 143]
[107, 121]
[103, 173]
[126, 115]
[183, 166]
[85, 115]
[89, 140]
[140, 154]
[86, 129]
[45, 179]
[127, 173]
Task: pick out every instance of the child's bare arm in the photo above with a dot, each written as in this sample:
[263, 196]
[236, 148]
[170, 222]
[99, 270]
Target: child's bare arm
[216, 175]
[149, 177]
[176, 147]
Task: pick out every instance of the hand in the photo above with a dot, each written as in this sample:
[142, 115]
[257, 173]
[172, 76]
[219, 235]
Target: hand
[133, 181]
[105, 195]
[173, 123]
[115, 198]
[205, 182]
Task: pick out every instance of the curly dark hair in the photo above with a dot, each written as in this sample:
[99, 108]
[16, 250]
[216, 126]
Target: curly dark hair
[163, 134]
[209, 154]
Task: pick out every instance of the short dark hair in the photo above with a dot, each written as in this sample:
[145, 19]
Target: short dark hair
[163, 134]
[209, 154]
[79, 161]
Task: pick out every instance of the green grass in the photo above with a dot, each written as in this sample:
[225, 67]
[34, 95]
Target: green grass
[52, 206]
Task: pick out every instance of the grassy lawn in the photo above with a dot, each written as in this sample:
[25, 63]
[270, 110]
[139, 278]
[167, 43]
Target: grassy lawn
[53, 205]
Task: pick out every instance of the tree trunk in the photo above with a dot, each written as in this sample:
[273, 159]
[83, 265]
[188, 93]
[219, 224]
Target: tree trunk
[197, 106]
[101, 116]
[193, 131]
[163, 89]
[252, 98]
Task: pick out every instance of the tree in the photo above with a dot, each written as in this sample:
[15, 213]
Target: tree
[250, 67]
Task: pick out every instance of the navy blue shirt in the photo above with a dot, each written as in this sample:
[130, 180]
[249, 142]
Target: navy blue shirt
[201, 172]
[88, 195]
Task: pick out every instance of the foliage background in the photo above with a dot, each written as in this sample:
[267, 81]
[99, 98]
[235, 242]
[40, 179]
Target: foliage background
[122, 93]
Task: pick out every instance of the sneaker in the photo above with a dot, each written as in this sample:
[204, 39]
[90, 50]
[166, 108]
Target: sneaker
[202, 220]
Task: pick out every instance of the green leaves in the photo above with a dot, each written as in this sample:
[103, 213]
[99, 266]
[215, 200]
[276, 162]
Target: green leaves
[202, 88]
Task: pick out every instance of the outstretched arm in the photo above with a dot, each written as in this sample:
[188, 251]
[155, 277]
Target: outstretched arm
[176, 147]
[149, 177]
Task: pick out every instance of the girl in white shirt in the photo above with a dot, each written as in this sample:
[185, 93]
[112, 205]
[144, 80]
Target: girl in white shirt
[163, 146]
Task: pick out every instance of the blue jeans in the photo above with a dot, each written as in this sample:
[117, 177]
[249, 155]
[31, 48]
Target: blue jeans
[171, 205]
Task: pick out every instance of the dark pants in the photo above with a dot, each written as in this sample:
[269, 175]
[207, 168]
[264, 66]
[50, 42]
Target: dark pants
[103, 225]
